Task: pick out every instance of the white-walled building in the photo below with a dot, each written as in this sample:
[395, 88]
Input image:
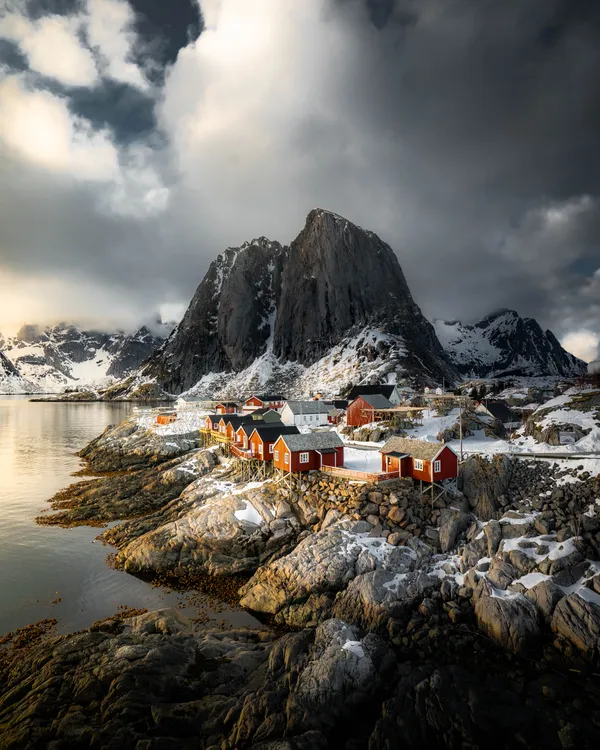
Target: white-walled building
[311, 413]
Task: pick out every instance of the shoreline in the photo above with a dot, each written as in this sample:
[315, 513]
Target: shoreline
[434, 626]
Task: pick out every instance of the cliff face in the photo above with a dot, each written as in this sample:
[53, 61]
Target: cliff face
[296, 304]
[504, 344]
[229, 321]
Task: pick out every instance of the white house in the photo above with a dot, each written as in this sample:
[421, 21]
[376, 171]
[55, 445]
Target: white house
[311, 413]
[192, 402]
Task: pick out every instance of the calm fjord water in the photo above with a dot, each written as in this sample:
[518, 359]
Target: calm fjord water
[39, 564]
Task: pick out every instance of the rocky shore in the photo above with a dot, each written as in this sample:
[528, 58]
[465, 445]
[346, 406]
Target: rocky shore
[393, 621]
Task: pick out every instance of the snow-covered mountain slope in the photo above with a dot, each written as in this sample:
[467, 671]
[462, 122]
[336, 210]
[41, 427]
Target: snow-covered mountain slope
[50, 359]
[11, 380]
[265, 314]
[504, 344]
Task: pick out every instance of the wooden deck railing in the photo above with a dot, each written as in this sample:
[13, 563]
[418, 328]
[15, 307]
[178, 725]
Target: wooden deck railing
[241, 453]
[362, 476]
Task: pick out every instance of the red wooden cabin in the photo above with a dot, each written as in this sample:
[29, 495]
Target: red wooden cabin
[212, 422]
[263, 402]
[166, 418]
[364, 409]
[419, 459]
[263, 439]
[226, 407]
[308, 452]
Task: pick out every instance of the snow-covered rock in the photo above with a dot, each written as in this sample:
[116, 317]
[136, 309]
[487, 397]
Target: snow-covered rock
[54, 358]
[504, 344]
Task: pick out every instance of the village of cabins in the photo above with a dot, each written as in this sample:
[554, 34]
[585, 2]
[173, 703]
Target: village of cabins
[273, 433]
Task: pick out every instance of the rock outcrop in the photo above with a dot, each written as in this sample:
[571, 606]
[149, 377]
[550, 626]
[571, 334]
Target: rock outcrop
[335, 283]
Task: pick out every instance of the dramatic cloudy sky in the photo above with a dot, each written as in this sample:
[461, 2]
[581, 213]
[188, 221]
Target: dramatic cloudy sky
[138, 138]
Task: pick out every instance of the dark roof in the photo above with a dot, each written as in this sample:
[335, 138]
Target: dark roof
[235, 420]
[214, 418]
[416, 448]
[268, 397]
[377, 401]
[337, 403]
[370, 390]
[264, 410]
[324, 451]
[247, 428]
[500, 411]
[313, 441]
[227, 403]
[270, 432]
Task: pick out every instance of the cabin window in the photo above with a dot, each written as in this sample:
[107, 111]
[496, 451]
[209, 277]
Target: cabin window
[260, 449]
[286, 458]
[437, 467]
[277, 455]
[245, 442]
[418, 464]
[304, 458]
[269, 449]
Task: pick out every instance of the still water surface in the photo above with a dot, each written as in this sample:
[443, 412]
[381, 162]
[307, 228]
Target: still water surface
[39, 564]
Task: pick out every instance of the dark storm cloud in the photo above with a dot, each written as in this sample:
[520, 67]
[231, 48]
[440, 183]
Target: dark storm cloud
[464, 133]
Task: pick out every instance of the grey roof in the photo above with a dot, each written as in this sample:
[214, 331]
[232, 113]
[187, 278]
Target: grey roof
[308, 407]
[377, 401]
[313, 441]
[415, 448]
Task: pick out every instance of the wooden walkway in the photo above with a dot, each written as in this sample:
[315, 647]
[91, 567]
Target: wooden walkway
[360, 476]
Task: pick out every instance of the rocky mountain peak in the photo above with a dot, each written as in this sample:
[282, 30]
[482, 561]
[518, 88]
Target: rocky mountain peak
[295, 304]
[505, 344]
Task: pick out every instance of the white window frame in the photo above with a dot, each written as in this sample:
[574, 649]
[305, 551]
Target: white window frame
[418, 464]
[304, 457]
[437, 466]
[260, 448]
[277, 455]
[246, 442]
[269, 449]
[286, 458]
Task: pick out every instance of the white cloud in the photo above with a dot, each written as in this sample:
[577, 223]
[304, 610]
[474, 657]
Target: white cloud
[40, 127]
[583, 344]
[53, 47]
[110, 32]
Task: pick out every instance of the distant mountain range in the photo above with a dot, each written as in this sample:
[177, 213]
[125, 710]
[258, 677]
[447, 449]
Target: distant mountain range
[330, 310]
[502, 345]
[48, 359]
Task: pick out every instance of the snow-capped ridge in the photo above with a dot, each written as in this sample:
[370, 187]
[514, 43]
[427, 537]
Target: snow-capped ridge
[504, 344]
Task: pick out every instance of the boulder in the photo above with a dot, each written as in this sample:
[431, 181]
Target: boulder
[511, 622]
[578, 621]
[545, 595]
[452, 524]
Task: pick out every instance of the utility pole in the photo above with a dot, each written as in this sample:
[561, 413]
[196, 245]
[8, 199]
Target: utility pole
[460, 427]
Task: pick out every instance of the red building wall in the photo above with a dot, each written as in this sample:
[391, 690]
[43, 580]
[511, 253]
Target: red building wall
[314, 458]
[447, 458]
[221, 409]
[255, 442]
[356, 416]
[449, 461]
